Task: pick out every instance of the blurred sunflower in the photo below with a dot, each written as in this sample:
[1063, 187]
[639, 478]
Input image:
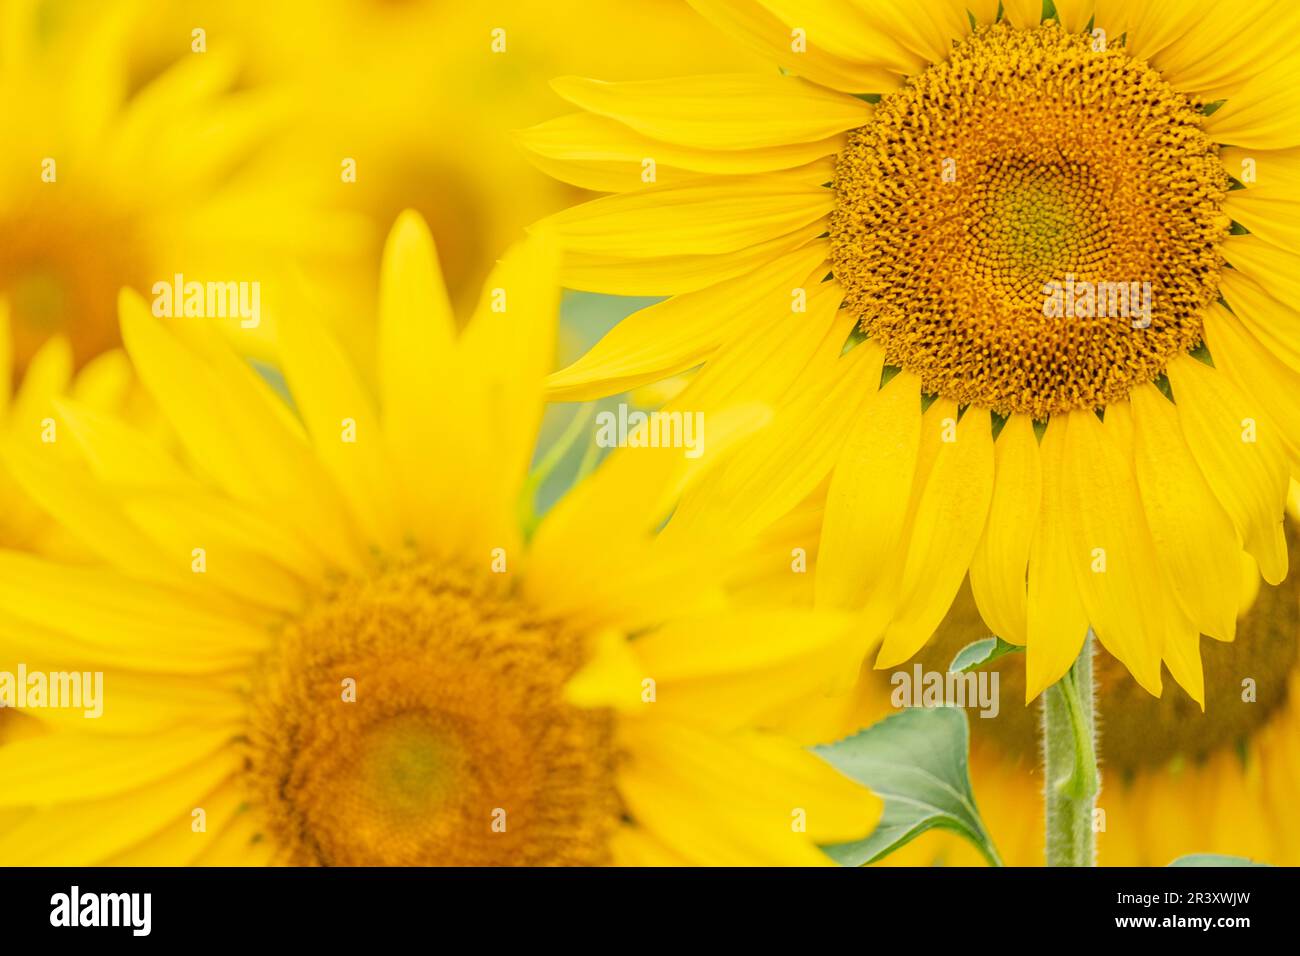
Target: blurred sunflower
[1177, 781]
[329, 636]
[416, 103]
[112, 178]
[931, 180]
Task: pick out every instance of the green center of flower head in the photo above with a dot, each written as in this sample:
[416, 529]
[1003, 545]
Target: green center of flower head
[418, 718]
[1247, 682]
[1031, 225]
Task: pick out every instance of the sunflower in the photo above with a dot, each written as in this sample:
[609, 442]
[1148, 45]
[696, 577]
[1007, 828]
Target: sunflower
[1177, 781]
[324, 639]
[1021, 281]
[112, 178]
[379, 125]
[28, 416]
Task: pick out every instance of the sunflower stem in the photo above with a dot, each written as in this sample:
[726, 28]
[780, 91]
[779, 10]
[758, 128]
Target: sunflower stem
[1071, 778]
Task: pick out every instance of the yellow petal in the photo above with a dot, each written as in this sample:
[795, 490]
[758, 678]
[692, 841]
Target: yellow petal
[759, 28]
[675, 335]
[675, 274]
[1001, 560]
[509, 349]
[420, 380]
[1272, 323]
[1108, 545]
[778, 468]
[47, 376]
[86, 833]
[1264, 380]
[952, 502]
[1055, 621]
[708, 218]
[1274, 269]
[1198, 554]
[721, 111]
[594, 152]
[1264, 113]
[1273, 216]
[65, 767]
[1248, 477]
[343, 423]
[867, 500]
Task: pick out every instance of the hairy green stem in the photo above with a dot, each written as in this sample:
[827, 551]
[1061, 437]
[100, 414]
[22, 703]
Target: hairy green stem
[1071, 777]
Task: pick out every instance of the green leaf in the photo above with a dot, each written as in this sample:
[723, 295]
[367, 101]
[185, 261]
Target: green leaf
[916, 762]
[1213, 859]
[982, 652]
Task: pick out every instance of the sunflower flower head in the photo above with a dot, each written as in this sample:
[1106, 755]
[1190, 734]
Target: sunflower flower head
[1019, 279]
[323, 627]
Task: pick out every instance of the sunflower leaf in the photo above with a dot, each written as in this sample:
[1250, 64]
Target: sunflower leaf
[1213, 859]
[916, 762]
[976, 655]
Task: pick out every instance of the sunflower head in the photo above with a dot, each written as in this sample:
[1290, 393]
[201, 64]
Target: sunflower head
[419, 715]
[1026, 160]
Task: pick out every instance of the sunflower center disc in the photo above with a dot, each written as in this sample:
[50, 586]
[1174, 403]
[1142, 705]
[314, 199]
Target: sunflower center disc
[418, 718]
[1032, 225]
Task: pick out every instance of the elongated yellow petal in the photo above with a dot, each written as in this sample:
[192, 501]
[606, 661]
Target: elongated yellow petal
[1022, 13]
[1197, 553]
[927, 31]
[1275, 325]
[509, 346]
[86, 833]
[177, 843]
[678, 334]
[794, 49]
[1264, 113]
[88, 616]
[1226, 46]
[1263, 379]
[783, 464]
[762, 783]
[948, 517]
[1273, 216]
[675, 274]
[420, 378]
[237, 430]
[65, 767]
[721, 111]
[1055, 621]
[598, 153]
[1234, 441]
[695, 219]
[1001, 560]
[733, 668]
[1271, 267]
[1107, 541]
[866, 503]
[775, 346]
[343, 423]
[47, 376]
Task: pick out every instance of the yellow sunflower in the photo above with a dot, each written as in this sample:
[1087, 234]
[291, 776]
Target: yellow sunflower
[110, 179]
[1177, 781]
[324, 640]
[1061, 254]
[415, 105]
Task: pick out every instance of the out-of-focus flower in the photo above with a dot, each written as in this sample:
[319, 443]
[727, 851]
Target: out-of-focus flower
[329, 636]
